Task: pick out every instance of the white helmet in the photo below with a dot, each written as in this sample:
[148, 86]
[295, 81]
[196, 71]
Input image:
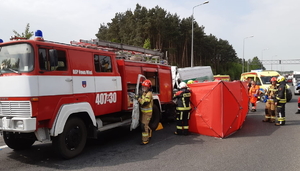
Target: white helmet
[182, 85]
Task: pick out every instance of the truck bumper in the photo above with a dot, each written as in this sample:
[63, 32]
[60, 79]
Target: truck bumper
[18, 124]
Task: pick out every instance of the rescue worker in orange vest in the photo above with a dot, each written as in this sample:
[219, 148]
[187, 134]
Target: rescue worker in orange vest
[270, 104]
[253, 94]
[280, 101]
[182, 109]
[146, 104]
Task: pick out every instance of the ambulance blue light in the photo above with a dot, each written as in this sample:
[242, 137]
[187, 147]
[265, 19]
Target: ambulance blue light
[1, 41]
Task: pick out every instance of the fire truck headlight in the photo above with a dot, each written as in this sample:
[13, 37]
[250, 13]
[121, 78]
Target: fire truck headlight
[19, 125]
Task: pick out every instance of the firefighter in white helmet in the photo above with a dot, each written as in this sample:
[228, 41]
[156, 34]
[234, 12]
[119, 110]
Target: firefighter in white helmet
[182, 109]
[146, 103]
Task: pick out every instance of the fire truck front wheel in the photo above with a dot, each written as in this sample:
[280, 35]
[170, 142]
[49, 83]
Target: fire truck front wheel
[71, 141]
[18, 141]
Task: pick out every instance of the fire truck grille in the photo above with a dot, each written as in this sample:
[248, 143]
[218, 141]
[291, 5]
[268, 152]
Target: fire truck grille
[15, 108]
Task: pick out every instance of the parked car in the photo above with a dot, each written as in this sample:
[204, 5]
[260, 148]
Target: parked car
[297, 88]
[289, 79]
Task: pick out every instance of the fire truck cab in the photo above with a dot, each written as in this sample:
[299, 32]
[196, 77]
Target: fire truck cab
[66, 93]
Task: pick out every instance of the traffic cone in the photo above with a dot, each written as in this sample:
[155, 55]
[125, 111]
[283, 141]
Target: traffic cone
[159, 127]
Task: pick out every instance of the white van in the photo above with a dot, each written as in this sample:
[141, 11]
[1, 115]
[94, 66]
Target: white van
[296, 77]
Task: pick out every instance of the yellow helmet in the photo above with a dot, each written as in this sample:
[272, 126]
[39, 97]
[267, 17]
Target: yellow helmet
[280, 79]
[190, 82]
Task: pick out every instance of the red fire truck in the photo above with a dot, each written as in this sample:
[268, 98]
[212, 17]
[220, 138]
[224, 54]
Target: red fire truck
[65, 93]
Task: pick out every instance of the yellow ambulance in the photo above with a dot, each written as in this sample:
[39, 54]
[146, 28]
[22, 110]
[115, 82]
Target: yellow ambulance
[263, 79]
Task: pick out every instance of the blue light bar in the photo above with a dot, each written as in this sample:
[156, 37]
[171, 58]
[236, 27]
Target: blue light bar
[38, 33]
[1, 41]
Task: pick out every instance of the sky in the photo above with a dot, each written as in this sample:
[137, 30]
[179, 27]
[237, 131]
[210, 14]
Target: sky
[274, 24]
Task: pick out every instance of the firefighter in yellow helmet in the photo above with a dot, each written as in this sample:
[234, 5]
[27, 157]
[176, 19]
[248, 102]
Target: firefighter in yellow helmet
[270, 104]
[190, 82]
[146, 103]
[280, 101]
[182, 109]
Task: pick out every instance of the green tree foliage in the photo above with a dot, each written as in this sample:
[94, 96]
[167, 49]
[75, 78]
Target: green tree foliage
[255, 64]
[147, 44]
[27, 34]
[166, 32]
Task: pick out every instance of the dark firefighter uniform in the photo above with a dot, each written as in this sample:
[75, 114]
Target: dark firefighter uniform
[281, 101]
[183, 111]
[270, 104]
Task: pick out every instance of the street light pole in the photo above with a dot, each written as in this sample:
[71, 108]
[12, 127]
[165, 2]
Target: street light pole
[244, 51]
[272, 61]
[262, 57]
[192, 44]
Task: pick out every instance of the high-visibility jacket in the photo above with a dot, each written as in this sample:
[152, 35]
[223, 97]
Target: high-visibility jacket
[281, 95]
[146, 102]
[183, 99]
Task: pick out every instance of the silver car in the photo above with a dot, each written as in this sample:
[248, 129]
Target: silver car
[297, 88]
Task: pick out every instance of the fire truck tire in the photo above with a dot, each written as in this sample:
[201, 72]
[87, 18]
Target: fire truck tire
[71, 141]
[156, 116]
[18, 141]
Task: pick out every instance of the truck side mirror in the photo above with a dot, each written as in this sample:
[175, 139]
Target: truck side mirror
[53, 57]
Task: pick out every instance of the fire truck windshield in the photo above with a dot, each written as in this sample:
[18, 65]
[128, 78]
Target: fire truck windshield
[16, 58]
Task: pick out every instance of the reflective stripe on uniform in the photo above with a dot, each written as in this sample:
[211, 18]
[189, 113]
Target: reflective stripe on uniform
[183, 108]
[281, 119]
[183, 100]
[186, 95]
[145, 134]
[267, 117]
[185, 127]
[179, 127]
[146, 110]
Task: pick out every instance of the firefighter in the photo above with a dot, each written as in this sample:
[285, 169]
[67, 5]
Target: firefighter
[270, 104]
[253, 94]
[280, 101]
[146, 103]
[190, 82]
[182, 109]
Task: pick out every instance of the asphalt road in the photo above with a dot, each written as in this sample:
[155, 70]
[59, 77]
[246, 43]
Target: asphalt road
[256, 146]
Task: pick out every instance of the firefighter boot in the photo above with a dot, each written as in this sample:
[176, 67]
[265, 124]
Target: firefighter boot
[280, 121]
[145, 142]
[267, 116]
[273, 117]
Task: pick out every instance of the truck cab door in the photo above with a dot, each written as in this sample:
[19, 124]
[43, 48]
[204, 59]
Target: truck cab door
[136, 106]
